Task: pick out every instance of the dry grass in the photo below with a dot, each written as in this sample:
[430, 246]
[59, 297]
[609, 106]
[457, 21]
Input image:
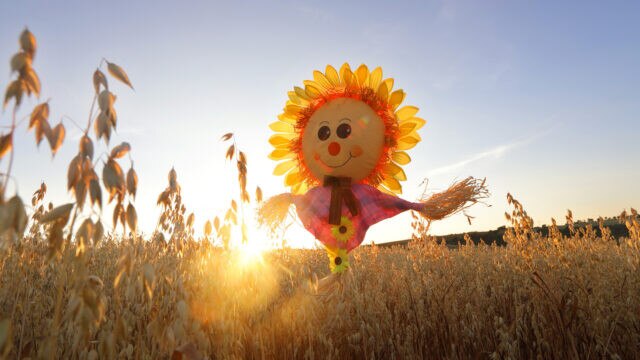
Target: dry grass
[552, 297]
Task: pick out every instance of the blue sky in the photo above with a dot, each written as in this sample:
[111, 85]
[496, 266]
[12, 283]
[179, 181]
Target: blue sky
[541, 97]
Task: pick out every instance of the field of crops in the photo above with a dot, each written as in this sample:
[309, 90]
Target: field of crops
[553, 297]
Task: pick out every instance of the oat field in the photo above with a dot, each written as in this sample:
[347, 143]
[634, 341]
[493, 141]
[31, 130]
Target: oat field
[554, 297]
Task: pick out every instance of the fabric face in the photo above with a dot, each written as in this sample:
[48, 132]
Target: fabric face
[344, 138]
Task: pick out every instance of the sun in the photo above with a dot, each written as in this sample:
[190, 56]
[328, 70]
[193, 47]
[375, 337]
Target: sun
[332, 104]
[250, 255]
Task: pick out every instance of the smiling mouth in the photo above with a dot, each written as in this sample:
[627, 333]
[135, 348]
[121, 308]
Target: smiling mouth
[336, 166]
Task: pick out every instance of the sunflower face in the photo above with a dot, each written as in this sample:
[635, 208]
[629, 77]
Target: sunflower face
[345, 123]
[345, 137]
[344, 231]
[338, 260]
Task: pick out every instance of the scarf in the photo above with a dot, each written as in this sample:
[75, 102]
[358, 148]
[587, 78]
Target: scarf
[340, 192]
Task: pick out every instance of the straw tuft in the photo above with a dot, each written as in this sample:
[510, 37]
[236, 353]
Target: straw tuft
[458, 197]
[274, 211]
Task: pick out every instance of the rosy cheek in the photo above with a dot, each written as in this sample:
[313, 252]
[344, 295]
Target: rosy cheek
[356, 151]
[316, 156]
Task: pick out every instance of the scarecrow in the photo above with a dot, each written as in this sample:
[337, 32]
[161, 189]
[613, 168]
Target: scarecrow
[341, 144]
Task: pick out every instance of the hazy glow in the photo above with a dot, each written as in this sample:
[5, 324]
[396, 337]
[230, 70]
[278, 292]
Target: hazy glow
[250, 254]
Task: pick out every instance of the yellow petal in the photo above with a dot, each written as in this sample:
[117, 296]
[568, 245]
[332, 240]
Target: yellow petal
[332, 75]
[396, 98]
[293, 110]
[362, 74]
[405, 146]
[281, 140]
[320, 86]
[280, 126]
[375, 78]
[312, 91]
[293, 178]
[293, 97]
[406, 112]
[300, 188]
[280, 154]
[401, 157]
[385, 190]
[389, 83]
[383, 92]
[344, 68]
[321, 80]
[406, 128]
[331, 251]
[392, 184]
[311, 83]
[401, 176]
[410, 126]
[391, 169]
[412, 139]
[348, 78]
[395, 171]
[408, 142]
[287, 119]
[284, 166]
[301, 93]
[346, 75]
[419, 122]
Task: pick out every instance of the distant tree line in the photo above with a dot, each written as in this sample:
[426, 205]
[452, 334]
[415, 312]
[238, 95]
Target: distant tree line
[496, 236]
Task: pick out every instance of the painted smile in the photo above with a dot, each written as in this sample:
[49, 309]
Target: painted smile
[336, 166]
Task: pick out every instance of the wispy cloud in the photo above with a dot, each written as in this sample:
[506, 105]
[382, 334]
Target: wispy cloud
[495, 153]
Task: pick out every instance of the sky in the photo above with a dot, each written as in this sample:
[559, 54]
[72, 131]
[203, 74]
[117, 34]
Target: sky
[539, 97]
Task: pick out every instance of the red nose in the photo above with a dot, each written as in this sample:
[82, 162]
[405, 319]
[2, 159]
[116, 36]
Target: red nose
[334, 148]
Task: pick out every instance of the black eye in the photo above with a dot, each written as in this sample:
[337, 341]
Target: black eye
[343, 131]
[324, 132]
